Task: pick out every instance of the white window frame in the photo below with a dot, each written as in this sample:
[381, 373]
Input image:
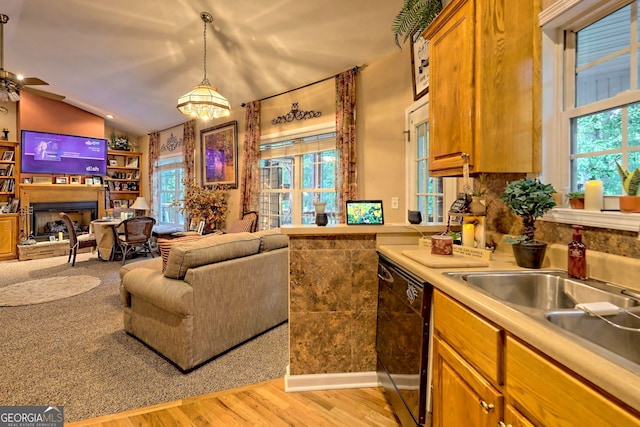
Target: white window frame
[166, 162]
[296, 151]
[563, 15]
[449, 185]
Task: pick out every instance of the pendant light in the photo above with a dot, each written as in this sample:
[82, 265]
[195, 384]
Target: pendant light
[204, 102]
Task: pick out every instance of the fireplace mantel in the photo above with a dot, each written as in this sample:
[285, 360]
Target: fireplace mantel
[40, 193]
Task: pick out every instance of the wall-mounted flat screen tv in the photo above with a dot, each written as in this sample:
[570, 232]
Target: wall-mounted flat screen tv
[56, 153]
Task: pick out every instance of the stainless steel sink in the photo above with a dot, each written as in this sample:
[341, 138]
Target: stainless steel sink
[545, 290]
[550, 297]
[623, 342]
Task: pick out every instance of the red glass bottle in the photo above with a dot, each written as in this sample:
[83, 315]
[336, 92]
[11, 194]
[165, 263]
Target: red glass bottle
[577, 265]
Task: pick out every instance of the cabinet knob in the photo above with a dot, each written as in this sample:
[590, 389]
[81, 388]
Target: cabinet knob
[502, 424]
[487, 406]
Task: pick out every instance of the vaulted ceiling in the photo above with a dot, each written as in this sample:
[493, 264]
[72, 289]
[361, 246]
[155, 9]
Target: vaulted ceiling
[134, 58]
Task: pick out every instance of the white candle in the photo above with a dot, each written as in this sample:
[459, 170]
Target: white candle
[60, 236]
[593, 200]
[468, 235]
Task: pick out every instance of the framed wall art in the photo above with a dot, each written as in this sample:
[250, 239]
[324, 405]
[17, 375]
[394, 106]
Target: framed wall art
[219, 155]
[419, 65]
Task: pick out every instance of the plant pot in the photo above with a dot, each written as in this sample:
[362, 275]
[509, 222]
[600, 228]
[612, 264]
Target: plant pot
[576, 203]
[529, 255]
[630, 203]
[476, 207]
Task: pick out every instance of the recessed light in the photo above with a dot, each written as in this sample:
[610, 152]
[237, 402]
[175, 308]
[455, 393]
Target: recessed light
[110, 116]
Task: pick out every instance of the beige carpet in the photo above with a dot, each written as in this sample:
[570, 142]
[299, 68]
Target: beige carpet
[46, 290]
[74, 352]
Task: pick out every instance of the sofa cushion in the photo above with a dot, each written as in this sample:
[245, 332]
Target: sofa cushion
[209, 250]
[166, 244]
[271, 240]
[240, 226]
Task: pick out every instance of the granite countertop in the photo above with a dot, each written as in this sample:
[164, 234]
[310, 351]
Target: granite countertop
[620, 381]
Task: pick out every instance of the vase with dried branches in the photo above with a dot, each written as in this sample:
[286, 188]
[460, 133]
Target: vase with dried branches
[209, 204]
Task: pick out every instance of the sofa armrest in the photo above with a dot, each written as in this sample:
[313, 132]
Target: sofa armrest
[174, 296]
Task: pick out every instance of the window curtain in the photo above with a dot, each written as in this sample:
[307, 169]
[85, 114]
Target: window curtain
[346, 138]
[189, 150]
[154, 152]
[251, 169]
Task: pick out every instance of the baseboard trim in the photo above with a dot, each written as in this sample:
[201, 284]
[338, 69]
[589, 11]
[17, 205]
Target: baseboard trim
[333, 381]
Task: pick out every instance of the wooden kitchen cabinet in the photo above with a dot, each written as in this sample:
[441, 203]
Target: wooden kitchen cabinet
[513, 418]
[9, 236]
[462, 397]
[485, 87]
[483, 376]
[556, 397]
[467, 373]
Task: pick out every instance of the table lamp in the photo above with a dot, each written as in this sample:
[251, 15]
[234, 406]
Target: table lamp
[140, 206]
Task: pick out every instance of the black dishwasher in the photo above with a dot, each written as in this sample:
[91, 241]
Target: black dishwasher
[402, 340]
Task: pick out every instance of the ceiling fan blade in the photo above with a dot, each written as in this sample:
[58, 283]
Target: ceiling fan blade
[32, 81]
[44, 94]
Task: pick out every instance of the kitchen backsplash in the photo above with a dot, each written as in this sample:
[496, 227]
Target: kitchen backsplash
[501, 221]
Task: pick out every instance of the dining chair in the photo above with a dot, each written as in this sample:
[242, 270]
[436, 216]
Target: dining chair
[77, 241]
[136, 236]
[248, 223]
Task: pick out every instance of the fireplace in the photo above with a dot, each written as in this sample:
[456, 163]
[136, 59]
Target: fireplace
[46, 219]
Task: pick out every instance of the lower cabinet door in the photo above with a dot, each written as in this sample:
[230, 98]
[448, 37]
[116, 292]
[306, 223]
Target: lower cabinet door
[8, 236]
[462, 397]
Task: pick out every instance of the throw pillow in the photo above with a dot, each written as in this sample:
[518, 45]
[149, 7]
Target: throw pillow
[241, 226]
[165, 247]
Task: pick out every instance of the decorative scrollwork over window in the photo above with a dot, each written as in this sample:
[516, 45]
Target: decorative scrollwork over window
[295, 114]
[172, 143]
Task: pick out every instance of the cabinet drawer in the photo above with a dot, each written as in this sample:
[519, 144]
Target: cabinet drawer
[556, 397]
[477, 340]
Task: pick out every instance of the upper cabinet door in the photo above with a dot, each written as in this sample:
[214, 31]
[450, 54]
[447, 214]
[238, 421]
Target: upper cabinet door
[451, 88]
[484, 88]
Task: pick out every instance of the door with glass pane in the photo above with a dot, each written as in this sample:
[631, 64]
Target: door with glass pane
[427, 193]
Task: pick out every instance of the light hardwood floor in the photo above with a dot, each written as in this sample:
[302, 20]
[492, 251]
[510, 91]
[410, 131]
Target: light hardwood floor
[263, 404]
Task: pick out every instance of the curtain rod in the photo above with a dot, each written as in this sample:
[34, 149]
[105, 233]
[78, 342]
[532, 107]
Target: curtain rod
[170, 127]
[356, 69]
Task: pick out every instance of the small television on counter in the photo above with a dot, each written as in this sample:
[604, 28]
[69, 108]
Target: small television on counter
[56, 153]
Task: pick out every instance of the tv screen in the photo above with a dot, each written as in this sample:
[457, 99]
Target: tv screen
[63, 154]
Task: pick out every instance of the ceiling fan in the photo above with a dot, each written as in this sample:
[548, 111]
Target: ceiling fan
[10, 83]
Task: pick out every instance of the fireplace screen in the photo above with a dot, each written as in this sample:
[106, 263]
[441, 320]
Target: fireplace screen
[46, 220]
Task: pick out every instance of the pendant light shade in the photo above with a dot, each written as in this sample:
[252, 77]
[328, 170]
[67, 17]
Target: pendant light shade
[204, 102]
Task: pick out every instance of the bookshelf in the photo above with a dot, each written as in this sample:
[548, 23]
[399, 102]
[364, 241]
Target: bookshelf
[122, 183]
[9, 204]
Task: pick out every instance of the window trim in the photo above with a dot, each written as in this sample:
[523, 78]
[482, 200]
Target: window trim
[449, 185]
[572, 15]
[296, 151]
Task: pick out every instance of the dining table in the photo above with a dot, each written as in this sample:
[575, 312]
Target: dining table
[105, 232]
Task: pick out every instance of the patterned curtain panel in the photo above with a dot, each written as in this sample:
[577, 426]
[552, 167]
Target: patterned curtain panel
[346, 138]
[251, 170]
[154, 151]
[189, 150]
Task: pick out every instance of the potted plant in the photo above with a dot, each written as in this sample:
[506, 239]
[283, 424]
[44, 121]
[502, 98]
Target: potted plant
[631, 186]
[529, 199]
[414, 16]
[576, 200]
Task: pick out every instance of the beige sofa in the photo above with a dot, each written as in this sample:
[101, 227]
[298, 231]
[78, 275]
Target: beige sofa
[216, 293]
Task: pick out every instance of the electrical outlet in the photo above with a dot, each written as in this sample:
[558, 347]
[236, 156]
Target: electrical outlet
[394, 203]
